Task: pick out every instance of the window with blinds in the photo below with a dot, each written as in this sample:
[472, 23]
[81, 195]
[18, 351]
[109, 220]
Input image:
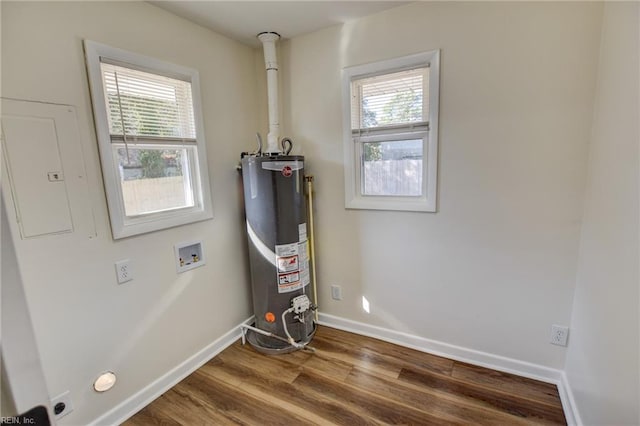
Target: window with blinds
[142, 104]
[391, 143]
[149, 126]
[390, 100]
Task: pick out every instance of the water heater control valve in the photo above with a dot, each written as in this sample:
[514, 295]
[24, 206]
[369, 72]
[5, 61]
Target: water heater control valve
[300, 304]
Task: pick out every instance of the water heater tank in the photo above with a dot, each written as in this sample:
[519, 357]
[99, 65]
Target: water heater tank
[276, 219]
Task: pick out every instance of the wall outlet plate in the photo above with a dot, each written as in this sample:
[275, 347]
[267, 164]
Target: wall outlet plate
[124, 272]
[336, 292]
[559, 335]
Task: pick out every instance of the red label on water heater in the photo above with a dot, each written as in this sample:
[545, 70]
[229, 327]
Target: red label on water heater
[286, 171]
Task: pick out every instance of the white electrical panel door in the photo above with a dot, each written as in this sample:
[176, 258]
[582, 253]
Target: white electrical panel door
[44, 166]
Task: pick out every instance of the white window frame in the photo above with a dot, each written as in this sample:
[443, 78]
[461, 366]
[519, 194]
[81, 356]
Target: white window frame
[354, 198]
[121, 225]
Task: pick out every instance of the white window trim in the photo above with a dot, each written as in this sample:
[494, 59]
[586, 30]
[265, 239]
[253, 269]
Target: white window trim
[353, 195]
[121, 226]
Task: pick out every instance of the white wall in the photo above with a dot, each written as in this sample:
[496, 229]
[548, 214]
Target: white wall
[495, 267]
[23, 384]
[602, 359]
[84, 322]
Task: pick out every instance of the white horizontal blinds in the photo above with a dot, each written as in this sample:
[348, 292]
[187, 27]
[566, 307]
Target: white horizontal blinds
[143, 105]
[390, 100]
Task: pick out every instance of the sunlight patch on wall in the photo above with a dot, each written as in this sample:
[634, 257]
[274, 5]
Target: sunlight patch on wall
[365, 305]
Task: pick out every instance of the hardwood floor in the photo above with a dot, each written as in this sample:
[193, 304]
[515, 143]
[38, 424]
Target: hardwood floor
[350, 380]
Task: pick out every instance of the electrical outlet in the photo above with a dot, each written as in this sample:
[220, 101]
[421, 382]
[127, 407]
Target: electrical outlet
[62, 405]
[336, 292]
[559, 334]
[124, 272]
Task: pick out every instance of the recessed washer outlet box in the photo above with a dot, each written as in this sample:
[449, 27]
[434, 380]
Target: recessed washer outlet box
[189, 255]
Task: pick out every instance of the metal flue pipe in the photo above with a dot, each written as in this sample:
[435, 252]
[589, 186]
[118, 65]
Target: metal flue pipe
[269, 40]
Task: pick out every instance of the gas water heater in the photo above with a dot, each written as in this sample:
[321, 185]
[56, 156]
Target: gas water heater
[276, 219]
[278, 251]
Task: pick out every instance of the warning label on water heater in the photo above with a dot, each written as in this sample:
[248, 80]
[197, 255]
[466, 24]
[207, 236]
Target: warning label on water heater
[292, 261]
[291, 278]
[287, 264]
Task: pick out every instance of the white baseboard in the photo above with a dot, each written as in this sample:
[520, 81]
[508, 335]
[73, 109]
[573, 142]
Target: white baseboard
[569, 402]
[145, 396]
[459, 353]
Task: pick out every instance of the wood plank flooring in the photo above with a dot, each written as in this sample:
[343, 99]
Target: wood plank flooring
[350, 380]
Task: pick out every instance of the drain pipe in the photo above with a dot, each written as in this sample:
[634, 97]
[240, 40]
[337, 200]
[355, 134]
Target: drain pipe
[269, 40]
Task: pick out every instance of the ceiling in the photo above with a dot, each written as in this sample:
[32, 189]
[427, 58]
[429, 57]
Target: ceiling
[243, 20]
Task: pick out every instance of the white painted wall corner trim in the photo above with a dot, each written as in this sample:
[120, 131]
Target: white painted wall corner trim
[459, 353]
[153, 390]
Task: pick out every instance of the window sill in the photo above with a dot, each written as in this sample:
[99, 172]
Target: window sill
[392, 204]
